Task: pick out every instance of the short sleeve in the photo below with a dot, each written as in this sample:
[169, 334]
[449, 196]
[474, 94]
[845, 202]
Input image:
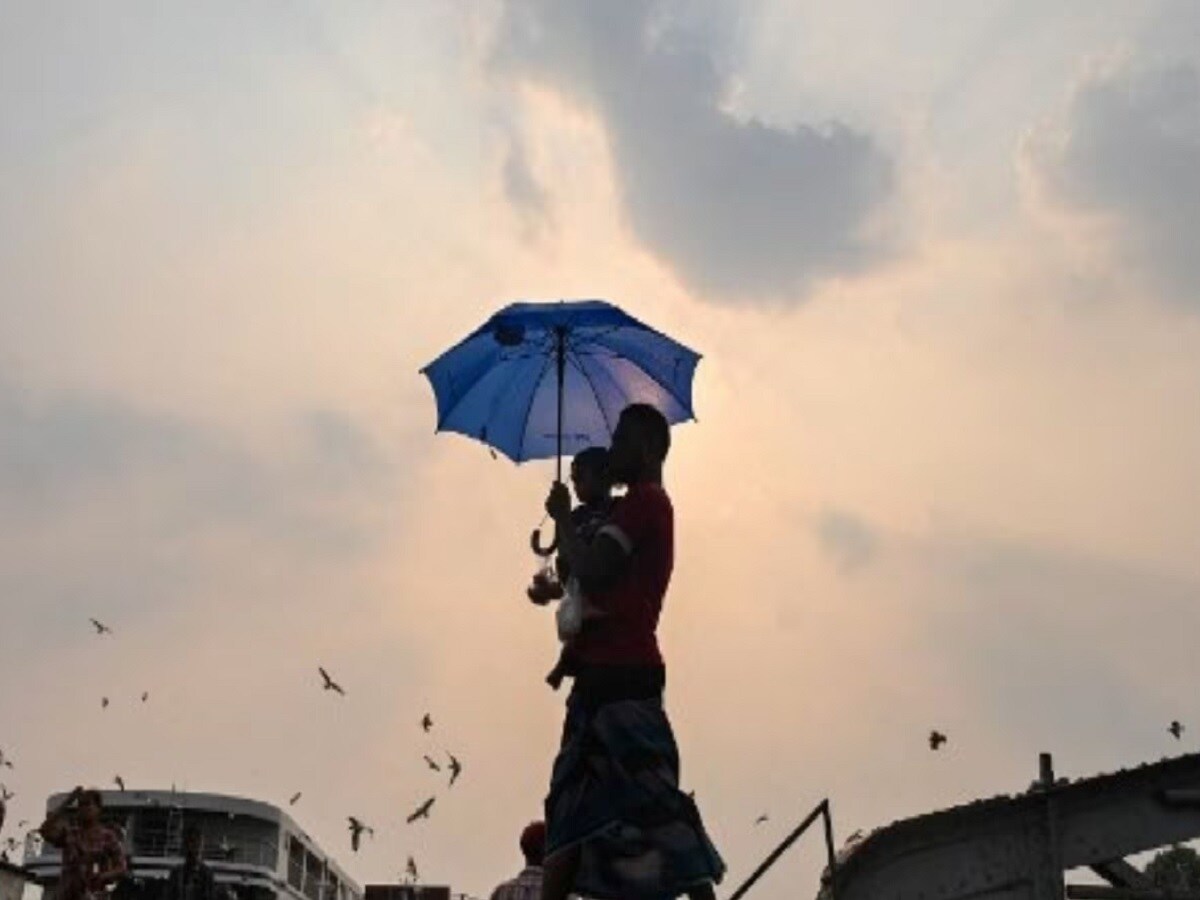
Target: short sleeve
[631, 522]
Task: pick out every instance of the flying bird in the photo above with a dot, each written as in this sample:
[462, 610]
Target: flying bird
[145, 696]
[763, 818]
[120, 782]
[330, 684]
[295, 797]
[426, 722]
[104, 703]
[936, 739]
[1176, 729]
[356, 830]
[100, 627]
[411, 869]
[422, 811]
[455, 768]
[433, 765]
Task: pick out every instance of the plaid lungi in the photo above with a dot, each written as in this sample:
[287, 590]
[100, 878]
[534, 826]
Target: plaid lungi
[615, 792]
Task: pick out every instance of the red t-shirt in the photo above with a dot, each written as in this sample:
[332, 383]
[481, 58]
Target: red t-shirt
[643, 523]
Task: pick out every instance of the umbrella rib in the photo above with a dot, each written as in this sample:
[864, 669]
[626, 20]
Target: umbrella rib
[529, 409]
[516, 370]
[463, 396]
[458, 400]
[617, 354]
[588, 379]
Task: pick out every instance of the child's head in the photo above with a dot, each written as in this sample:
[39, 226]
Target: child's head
[589, 475]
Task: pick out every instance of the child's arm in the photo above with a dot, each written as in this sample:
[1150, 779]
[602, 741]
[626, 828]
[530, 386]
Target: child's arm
[563, 566]
[598, 565]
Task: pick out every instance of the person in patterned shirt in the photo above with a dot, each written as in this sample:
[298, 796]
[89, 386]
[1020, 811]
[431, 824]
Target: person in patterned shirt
[92, 856]
[528, 884]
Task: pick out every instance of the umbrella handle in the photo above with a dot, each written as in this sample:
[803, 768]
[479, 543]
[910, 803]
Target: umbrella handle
[535, 542]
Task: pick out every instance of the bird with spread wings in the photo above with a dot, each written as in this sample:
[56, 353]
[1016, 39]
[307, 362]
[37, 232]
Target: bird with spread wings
[357, 827]
[422, 811]
[329, 683]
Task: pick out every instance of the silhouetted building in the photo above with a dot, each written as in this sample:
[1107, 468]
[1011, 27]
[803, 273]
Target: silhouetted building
[255, 850]
[406, 892]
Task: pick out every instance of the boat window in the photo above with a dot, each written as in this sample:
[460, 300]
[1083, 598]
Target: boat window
[295, 862]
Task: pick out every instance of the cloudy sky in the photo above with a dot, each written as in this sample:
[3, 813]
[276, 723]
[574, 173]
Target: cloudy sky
[939, 258]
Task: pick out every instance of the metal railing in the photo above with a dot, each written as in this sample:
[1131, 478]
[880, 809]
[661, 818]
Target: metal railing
[821, 810]
[261, 853]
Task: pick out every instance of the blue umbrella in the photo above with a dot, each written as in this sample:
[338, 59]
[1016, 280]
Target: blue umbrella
[538, 380]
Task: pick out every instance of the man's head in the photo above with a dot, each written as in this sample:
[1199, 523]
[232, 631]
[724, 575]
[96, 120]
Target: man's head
[640, 444]
[193, 842]
[90, 806]
[533, 843]
[589, 475]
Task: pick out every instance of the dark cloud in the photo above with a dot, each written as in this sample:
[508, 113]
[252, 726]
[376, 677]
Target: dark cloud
[739, 208]
[850, 541]
[1130, 147]
[111, 510]
[523, 190]
[63, 452]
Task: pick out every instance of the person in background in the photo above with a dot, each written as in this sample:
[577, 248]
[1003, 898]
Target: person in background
[92, 856]
[528, 884]
[192, 879]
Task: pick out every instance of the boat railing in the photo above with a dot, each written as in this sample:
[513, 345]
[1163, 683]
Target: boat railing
[820, 811]
[246, 852]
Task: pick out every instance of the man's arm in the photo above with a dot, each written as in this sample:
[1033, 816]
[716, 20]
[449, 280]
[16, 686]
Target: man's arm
[599, 565]
[117, 866]
[53, 830]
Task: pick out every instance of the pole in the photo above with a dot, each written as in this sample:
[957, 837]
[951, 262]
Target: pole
[821, 808]
[560, 359]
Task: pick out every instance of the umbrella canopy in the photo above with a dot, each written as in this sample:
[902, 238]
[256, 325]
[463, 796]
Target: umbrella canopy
[538, 380]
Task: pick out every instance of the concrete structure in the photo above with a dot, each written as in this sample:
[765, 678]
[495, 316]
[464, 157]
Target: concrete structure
[1019, 847]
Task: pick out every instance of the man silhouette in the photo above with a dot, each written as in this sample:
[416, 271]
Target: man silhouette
[617, 824]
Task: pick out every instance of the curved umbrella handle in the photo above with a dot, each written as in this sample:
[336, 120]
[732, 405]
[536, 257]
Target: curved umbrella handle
[535, 542]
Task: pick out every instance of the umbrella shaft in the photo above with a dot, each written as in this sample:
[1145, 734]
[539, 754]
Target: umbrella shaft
[560, 352]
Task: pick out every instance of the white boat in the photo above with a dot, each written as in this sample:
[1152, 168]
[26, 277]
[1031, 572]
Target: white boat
[255, 850]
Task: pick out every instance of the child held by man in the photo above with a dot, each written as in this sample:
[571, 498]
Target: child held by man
[593, 491]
